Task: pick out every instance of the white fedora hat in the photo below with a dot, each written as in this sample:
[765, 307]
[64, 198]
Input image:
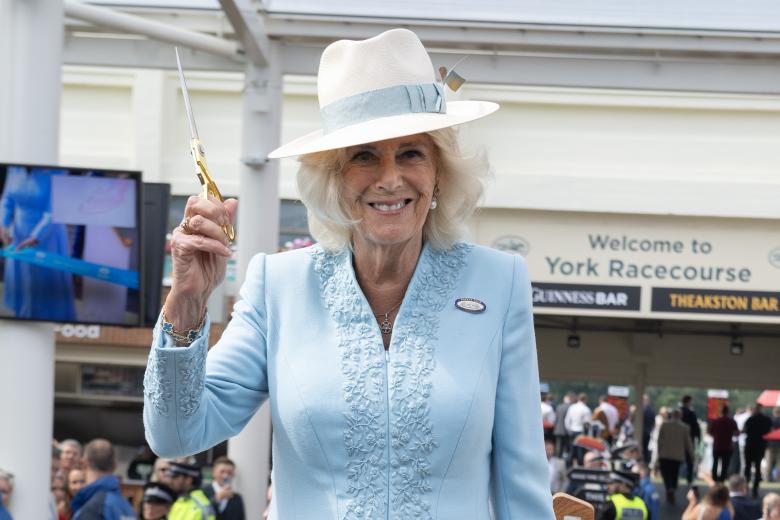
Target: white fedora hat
[376, 89]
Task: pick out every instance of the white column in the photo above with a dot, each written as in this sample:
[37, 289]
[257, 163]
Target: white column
[27, 375]
[31, 33]
[258, 231]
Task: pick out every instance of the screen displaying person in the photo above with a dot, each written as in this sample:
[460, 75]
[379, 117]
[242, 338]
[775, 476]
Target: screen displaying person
[34, 291]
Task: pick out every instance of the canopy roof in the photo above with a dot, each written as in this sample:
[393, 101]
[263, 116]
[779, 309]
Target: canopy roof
[721, 15]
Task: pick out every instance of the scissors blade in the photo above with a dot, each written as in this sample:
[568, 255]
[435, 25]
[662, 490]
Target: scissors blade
[186, 95]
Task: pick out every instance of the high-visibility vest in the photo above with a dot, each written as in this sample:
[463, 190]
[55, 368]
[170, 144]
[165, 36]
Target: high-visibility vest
[628, 508]
[194, 506]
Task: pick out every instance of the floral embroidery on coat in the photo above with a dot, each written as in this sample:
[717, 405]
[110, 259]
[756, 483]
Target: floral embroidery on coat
[157, 386]
[191, 374]
[374, 391]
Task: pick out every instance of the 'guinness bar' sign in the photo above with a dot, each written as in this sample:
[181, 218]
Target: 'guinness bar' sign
[582, 296]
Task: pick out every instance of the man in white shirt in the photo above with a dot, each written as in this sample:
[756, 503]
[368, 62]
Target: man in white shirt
[577, 416]
[548, 414]
[613, 416]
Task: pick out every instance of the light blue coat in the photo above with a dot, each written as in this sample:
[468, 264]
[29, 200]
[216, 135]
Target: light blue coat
[445, 422]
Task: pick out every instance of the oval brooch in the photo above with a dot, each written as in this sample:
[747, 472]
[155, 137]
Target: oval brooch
[471, 305]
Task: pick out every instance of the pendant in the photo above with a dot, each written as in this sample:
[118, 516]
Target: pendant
[385, 326]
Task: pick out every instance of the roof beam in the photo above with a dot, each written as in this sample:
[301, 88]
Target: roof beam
[130, 24]
[528, 37]
[585, 70]
[250, 28]
[104, 51]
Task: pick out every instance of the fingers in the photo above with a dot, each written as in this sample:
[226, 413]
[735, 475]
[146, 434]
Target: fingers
[201, 231]
[27, 242]
[183, 244]
[200, 225]
[208, 217]
[210, 208]
[231, 205]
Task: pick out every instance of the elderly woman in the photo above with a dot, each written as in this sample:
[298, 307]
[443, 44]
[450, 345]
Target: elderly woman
[399, 361]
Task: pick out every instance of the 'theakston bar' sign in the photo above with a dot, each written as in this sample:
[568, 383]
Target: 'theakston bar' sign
[720, 302]
[644, 266]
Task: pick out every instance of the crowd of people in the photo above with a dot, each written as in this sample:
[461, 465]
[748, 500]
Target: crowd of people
[674, 444]
[85, 486]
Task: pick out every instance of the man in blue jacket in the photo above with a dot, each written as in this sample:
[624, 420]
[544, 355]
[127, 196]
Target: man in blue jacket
[100, 499]
[647, 491]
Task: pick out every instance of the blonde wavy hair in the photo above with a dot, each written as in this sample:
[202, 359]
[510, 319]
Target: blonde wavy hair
[460, 188]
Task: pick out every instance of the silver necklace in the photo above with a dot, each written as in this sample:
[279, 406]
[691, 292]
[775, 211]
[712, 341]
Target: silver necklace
[385, 325]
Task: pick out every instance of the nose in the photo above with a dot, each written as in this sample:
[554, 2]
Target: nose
[389, 175]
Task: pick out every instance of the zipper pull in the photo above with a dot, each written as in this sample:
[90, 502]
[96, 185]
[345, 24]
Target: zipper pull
[387, 354]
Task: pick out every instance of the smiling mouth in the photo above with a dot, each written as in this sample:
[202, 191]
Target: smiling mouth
[390, 207]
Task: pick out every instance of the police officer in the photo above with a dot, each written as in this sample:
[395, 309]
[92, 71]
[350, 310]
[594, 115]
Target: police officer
[192, 503]
[623, 504]
[157, 501]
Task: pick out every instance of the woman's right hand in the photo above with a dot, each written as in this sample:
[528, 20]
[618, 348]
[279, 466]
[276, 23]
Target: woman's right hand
[199, 252]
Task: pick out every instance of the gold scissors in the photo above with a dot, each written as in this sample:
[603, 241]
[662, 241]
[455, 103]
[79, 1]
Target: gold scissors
[199, 153]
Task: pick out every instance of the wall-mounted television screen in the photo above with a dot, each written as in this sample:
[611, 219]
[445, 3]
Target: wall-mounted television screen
[70, 244]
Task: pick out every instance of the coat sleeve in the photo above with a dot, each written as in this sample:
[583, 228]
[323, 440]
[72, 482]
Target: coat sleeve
[192, 400]
[520, 474]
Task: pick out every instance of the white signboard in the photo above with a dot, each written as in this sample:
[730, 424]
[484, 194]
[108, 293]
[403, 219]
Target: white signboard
[644, 266]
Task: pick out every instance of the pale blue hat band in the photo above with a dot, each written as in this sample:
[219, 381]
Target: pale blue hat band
[390, 101]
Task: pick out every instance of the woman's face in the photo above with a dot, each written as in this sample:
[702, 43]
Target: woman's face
[76, 481]
[389, 186]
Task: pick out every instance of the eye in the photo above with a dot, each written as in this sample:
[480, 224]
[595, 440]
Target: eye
[412, 154]
[362, 156]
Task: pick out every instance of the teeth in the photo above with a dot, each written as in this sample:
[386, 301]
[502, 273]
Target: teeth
[392, 207]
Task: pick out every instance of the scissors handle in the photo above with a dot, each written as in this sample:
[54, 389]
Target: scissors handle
[207, 182]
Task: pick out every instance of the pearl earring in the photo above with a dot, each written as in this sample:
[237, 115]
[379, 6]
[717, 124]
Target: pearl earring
[434, 203]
